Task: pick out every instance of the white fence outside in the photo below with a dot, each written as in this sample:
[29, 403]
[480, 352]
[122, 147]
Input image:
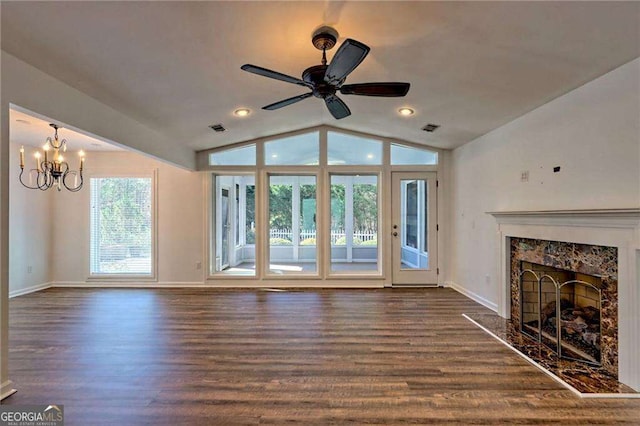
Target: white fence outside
[359, 236]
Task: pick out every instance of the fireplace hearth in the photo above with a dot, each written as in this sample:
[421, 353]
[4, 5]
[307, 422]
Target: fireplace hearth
[564, 296]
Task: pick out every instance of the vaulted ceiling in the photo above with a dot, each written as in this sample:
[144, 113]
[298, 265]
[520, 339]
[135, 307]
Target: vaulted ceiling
[175, 66]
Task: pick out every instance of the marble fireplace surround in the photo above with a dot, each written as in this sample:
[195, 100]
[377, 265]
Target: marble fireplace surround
[618, 228]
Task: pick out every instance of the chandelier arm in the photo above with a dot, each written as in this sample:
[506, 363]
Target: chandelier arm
[44, 176]
[66, 173]
[24, 184]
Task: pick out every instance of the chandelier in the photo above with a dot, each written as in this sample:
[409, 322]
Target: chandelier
[54, 172]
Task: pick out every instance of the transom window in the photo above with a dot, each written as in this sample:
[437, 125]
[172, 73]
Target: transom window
[342, 149]
[294, 150]
[352, 150]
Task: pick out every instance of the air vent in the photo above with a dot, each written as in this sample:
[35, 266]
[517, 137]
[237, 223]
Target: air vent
[218, 127]
[430, 127]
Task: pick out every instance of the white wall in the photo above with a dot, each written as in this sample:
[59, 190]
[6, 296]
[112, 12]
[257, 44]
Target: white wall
[180, 223]
[30, 88]
[592, 133]
[30, 225]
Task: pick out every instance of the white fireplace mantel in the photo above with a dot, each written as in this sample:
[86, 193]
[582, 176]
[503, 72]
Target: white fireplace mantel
[606, 227]
[605, 218]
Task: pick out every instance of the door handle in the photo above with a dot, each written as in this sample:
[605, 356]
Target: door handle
[395, 234]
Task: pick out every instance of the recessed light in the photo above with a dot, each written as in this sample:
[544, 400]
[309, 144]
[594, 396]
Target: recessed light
[369, 156]
[242, 112]
[274, 155]
[406, 111]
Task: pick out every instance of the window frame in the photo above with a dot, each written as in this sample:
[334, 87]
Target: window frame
[153, 276]
[323, 171]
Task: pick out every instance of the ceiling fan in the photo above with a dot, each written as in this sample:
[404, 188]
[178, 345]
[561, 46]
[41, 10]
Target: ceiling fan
[325, 80]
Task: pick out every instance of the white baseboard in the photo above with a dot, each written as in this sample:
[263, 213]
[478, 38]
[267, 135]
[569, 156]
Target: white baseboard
[6, 389]
[32, 289]
[126, 284]
[205, 284]
[473, 296]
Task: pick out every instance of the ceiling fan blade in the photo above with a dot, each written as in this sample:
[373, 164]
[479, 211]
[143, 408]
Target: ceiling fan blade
[286, 102]
[346, 59]
[336, 107]
[376, 89]
[274, 74]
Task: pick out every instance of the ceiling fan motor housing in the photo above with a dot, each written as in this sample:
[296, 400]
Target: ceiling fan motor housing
[315, 76]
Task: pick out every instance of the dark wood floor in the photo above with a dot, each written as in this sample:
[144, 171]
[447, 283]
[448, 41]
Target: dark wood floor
[137, 356]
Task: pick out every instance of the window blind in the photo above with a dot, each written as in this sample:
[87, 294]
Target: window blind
[121, 226]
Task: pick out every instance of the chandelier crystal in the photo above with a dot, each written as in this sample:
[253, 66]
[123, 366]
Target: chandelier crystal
[54, 171]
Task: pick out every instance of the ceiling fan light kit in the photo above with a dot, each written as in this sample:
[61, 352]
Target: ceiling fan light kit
[325, 80]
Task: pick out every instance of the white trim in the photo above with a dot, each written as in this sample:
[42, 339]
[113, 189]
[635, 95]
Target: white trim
[231, 283]
[6, 389]
[600, 218]
[31, 289]
[295, 282]
[473, 296]
[126, 284]
[549, 373]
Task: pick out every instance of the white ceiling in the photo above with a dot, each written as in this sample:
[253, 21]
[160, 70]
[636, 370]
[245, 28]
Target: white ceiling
[31, 130]
[175, 66]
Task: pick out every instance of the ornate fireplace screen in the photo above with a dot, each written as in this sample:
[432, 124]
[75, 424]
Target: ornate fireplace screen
[578, 313]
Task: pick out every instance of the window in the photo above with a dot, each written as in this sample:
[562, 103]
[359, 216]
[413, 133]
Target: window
[310, 205]
[406, 155]
[292, 224]
[354, 223]
[295, 150]
[242, 156]
[352, 150]
[238, 229]
[415, 223]
[122, 226]
[233, 230]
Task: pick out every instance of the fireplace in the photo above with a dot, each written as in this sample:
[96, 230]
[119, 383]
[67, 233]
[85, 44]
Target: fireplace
[600, 243]
[561, 309]
[564, 295]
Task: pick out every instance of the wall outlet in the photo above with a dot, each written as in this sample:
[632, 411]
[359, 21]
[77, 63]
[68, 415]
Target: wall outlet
[29, 269]
[487, 279]
[198, 266]
[524, 176]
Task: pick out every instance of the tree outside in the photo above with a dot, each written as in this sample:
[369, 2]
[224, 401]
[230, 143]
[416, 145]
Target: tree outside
[123, 221]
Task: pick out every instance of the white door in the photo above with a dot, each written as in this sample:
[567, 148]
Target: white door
[414, 228]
